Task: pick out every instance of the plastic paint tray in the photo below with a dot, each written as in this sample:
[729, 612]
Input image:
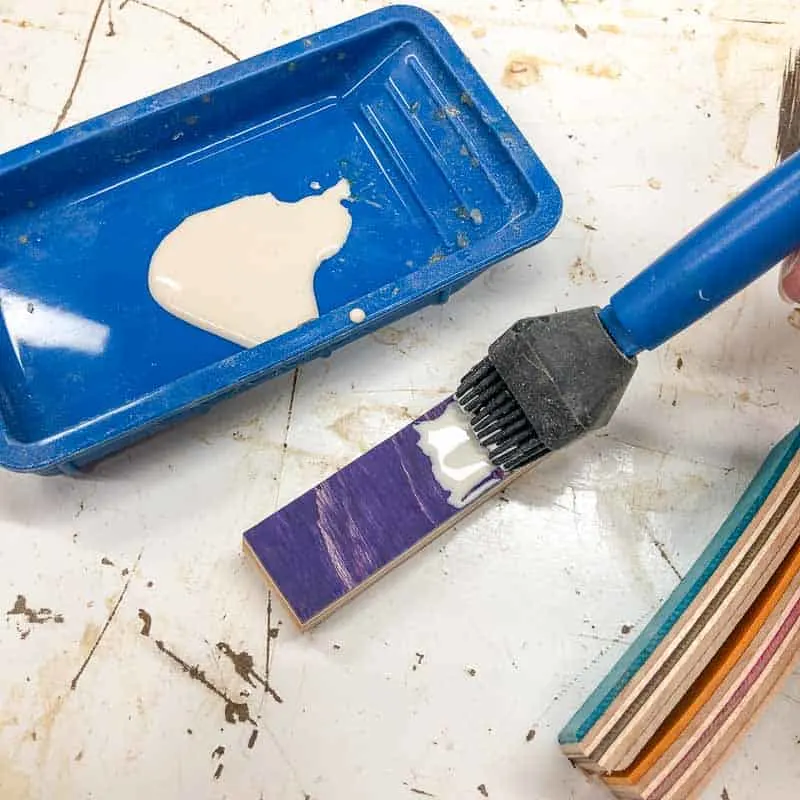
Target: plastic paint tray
[444, 185]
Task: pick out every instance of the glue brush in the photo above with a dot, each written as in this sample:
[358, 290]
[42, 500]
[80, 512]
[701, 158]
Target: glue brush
[549, 380]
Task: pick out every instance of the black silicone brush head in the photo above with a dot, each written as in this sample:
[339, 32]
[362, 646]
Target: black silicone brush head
[545, 383]
[498, 421]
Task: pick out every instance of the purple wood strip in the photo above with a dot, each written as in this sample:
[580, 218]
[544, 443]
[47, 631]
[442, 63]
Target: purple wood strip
[331, 541]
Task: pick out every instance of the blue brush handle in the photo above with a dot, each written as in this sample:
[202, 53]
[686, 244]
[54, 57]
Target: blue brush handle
[715, 261]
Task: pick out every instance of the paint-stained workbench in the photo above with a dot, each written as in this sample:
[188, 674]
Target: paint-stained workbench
[134, 647]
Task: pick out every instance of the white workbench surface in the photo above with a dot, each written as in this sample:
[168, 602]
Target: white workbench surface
[651, 122]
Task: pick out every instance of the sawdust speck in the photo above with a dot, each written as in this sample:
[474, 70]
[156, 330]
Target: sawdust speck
[607, 71]
[522, 70]
[459, 20]
[794, 319]
[580, 272]
[20, 23]
[446, 111]
[89, 636]
[636, 13]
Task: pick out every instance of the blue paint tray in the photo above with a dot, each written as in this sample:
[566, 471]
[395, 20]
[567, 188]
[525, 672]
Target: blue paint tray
[443, 185]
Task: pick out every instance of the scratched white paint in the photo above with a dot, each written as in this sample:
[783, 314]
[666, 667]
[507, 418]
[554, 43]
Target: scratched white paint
[530, 594]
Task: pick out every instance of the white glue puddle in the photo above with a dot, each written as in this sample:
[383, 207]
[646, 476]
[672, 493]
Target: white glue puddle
[245, 270]
[460, 464]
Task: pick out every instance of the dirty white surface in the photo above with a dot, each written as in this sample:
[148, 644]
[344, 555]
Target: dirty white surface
[456, 671]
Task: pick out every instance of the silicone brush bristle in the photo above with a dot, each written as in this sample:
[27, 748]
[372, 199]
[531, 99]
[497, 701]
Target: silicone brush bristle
[497, 420]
